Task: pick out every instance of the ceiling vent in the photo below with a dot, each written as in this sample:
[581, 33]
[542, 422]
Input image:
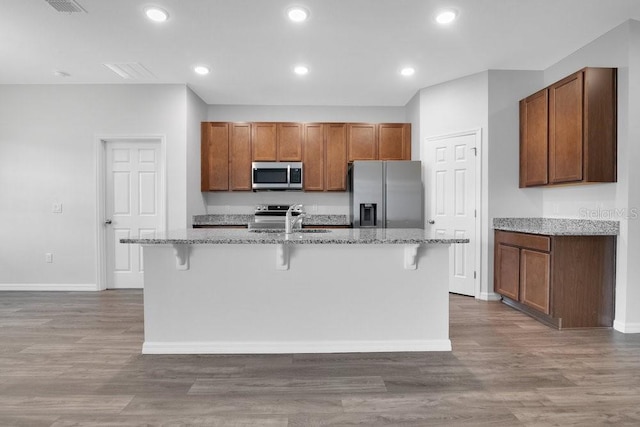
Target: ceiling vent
[68, 6]
[131, 70]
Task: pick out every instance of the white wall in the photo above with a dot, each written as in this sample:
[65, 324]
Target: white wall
[456, 106]
[196, 114]
[48, 154]
[302, 113]
[616, 201]
[631, 320]
[315, 202]
[503, 197]
[412, 111]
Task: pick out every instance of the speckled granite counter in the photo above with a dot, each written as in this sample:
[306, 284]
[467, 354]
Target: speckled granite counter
[221, 219]
[336, 236]
[244, 219]
[558, 226]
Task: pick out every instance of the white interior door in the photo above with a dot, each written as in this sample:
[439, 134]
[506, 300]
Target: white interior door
[133, 207]
[450, 179]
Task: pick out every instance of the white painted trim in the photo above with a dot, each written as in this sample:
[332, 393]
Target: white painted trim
[73, 287]
[127, 287]
[626, 328]
[478, 226]
[100, 156]
[489, 296]
[285, 347]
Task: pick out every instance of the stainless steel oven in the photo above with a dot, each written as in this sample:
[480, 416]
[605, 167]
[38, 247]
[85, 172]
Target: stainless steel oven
[276, 176]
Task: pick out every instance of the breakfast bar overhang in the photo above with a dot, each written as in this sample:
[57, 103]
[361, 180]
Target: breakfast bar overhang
[350, 290]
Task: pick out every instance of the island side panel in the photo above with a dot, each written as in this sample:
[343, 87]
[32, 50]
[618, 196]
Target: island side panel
[333, 298]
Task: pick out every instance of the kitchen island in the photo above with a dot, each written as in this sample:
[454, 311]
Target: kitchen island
[343, 290]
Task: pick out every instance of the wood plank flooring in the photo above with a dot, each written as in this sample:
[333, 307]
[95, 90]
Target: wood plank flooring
[73, 359]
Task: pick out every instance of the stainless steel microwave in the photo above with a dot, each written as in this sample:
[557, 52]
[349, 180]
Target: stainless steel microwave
[276, 176]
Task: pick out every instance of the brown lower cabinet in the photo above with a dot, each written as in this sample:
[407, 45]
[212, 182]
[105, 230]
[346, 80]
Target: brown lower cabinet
[563, 281]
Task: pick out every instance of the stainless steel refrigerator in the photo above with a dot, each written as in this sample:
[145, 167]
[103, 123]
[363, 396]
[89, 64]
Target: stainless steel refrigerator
[386, 194]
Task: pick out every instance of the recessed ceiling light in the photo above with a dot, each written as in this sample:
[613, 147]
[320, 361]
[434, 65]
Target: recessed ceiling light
[297, 14]
[408, 71]
[202, 70]
[446, 16]
[156, 14]
[301, 70]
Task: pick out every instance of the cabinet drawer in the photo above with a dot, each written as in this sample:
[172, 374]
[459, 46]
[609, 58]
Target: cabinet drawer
[522, 240]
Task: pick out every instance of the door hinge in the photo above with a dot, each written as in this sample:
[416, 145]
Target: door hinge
[475, 213]
[474, 274]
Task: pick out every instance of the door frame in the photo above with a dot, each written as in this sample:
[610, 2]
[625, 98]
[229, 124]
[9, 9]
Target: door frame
[424, 151]
[100, 145]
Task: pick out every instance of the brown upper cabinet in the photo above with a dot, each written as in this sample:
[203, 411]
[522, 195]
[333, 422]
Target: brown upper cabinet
[336, 157]
[289, 137]
[226, 156]
[240, 157]
[384, 141]
[214, 157]
[568, 130]
[394, 141]
[324, 148]
[264, 142]
[313, 158]
[276, 142]
[362, 141]
[534, 145]
[325, 157]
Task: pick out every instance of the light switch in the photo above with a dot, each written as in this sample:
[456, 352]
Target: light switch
[48, 257]
[57, 207]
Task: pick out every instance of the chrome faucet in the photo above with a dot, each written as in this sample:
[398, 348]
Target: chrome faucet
[291, 220]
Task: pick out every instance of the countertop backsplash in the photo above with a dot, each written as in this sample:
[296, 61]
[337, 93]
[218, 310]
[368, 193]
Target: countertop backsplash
[244, 202]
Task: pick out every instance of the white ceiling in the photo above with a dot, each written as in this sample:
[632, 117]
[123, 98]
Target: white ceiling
[353, 48]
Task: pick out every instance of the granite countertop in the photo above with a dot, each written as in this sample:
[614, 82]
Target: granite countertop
[336, 236]
[558, 226]
[244, 219]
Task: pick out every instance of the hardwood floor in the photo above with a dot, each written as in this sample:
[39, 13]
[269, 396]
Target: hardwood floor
[71, 359]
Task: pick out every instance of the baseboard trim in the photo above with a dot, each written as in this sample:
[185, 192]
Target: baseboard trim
[259, 347]
[626, 328]
[489, 296]
[65, 287]
[127, 287]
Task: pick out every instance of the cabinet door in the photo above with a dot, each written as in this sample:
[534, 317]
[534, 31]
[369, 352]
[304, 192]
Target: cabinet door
[565, 130]
[240, 157]
[394, 141]
[534, 279]
[313, 159]
[534, 145]
[362, 141]
[264, 142]
[215, 157]
[507, 271]
[289, 142]
[336, 157]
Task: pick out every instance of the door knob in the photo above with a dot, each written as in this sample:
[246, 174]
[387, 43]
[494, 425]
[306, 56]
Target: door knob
[108, 221]
[431, 221]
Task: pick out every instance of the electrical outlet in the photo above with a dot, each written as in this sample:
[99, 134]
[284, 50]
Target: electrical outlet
[57, 207]
[48, 257]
